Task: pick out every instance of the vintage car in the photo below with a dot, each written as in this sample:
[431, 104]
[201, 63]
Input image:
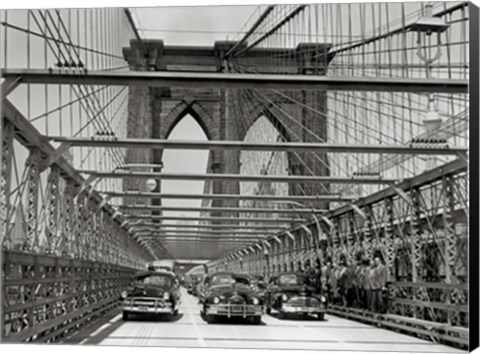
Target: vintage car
[155, 292]
[290, 293]
[227, 294]
[191, 283]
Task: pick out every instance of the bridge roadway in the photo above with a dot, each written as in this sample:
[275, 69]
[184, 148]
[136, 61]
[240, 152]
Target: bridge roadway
[189, 330]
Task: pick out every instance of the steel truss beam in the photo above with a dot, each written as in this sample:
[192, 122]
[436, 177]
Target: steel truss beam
[453, 167]
[219, 219]
[163, 238]
[240, 178]
[240, 81]
[6, 160]
[182, 244]
[207, 232]
[41, 151]
[248, 146]
[201, 234]
[32, 206]
[225, 228]
[223, 210]
[413, 184]
[29, 136]
[287, 198]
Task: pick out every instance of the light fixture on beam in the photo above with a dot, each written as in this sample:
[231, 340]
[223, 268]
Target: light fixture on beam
[432, 121]
[151, 184]
[429, 24]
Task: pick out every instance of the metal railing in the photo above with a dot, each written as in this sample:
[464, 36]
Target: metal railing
[46, 298]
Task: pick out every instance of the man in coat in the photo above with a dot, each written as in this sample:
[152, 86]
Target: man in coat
[379, 285]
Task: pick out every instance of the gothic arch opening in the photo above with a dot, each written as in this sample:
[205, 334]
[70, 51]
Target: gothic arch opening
[184, 161]
[263, 163]
[194, 110]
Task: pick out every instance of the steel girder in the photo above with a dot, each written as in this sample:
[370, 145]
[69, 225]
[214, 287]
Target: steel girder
[32, 184]
[287, 198]
[222, 210]
[215, 219]
[49, 295]
[7, 134]
[299, 147]
[53, 229]
[240, 178]
[58, 220]
[218, 227]
[238, 81]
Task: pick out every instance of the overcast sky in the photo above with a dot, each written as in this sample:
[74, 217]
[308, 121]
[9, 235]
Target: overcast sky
[199, 25]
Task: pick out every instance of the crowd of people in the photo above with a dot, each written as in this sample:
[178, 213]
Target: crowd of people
[360, 285]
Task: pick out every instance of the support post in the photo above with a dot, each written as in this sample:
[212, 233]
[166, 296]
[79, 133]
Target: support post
[33, 176]
[389, 237]
[52, 231]
[5, 181]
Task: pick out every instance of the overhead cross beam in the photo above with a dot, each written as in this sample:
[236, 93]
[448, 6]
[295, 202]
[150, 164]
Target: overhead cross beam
[180, 228]
[276, 198]
[222, 210]
[300, 147]
[225, 228]
[187, 240]
[203, 233]
[239, 81]
[201, 237]
[219, 219]
[240, 178]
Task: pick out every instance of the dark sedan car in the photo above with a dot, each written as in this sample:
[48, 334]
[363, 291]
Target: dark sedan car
[289, 293]
[230, 295]
[152, 293]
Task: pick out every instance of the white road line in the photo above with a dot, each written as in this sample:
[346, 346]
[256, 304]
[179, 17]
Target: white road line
[104, 326]
[201, 341]
[340, 341]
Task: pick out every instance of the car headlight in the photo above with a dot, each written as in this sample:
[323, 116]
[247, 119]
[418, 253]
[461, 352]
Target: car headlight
[216, 300]
[284, 297]
[166, 296]
[255, 301]
[124, 294]
[323, 298]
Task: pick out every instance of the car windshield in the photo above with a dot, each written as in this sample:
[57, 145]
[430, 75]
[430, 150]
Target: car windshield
[221, 279]
[290, 279]
[161, 280]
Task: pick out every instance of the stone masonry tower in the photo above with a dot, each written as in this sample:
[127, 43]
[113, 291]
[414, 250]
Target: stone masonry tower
[154, 112]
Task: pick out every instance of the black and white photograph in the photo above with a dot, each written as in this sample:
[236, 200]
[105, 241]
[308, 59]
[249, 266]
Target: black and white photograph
[277, 176]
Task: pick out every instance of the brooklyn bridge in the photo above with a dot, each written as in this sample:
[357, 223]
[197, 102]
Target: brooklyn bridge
[298, 182]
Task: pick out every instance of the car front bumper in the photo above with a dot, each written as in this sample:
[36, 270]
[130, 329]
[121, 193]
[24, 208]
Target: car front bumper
[232, 310]
[302, 309]
[150, 305]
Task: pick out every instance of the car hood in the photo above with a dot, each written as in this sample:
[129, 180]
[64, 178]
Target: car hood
[230, 289]
[149, 290]
[296, 289]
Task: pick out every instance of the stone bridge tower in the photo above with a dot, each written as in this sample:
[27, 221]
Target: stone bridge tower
[154, 112]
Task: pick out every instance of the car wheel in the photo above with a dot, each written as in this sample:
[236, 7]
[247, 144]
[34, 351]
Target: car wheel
[281, 314]
[320, 316]
[256, 320]
[125, 315]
